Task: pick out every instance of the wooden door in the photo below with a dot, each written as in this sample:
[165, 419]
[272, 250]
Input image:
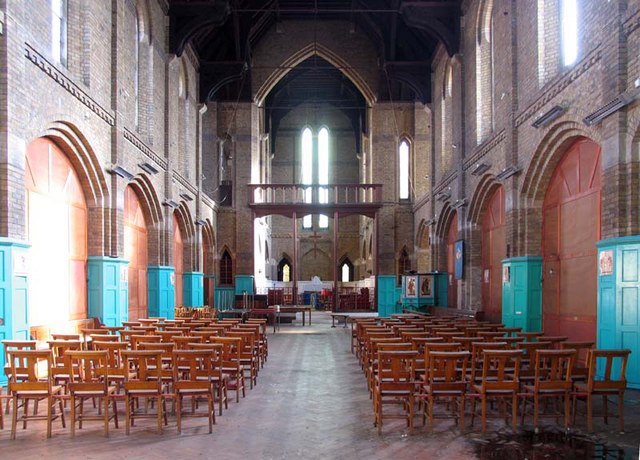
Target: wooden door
[136, 252]
[178, 254]
[493, 252]
[56, 215]
[452, 236]
[571, 228]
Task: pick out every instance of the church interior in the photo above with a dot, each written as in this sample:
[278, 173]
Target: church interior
[463, 167]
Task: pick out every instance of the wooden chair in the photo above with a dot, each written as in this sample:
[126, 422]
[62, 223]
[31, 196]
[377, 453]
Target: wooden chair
[500, 379]
[182, 342]
[555, 340]
[394, 384]
[25, 384]
[552, 380]
[530, 336]
[115, 370]
[136, 339]
[231, 365]
[193, 377]
[88, 380]
[60, 371]
[446, 377]
[219, 378]
[10, 345]
[56, 336]
[145, 382]
[607, 377]
[248, 355]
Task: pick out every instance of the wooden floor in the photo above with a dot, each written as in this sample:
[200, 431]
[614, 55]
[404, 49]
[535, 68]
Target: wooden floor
[311, 402]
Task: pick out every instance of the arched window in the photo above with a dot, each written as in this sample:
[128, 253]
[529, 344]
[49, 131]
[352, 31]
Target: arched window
[446, 118]
[226, 269]
[569, 31]
[404, 264]
[59, 19]
[307, 171]
[323, 172]
[136, 69]
[484, 71]
[403, 169]
[346, 270]
[314, 163]
[284, 270]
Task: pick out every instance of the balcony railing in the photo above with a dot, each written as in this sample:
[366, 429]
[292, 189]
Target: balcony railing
[287, 198]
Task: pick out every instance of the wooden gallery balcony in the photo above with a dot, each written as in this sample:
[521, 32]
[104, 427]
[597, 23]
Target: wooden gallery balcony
[287, 199]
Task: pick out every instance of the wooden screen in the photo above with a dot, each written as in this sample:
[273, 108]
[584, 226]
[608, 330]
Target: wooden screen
[178, 263]
[136, 252]
[452, 236]
[57, 230]
[493, 252]
[571, 228]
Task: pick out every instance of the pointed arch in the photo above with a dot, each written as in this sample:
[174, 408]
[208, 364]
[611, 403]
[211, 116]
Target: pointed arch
[547, 156]
[285, 268]
[315, 49]
[143, 20]
[483, 192]
[346, 269]
[226, 267]
[422, 244]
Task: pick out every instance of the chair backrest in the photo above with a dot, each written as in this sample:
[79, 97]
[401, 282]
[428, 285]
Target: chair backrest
[56, 336]
[231, 348]
[25, 368]
[87, 370]
[60, 347]
[397, 367]
[182, 342]
[10, 345]
[193, 368]
[530, 348]
[448, 370]
[438, 346]
[608, 369]
[501, 370]
[147, 370]
[136, 339]
[553, 369]
[129, 324]
[477, 356]
[114, 352]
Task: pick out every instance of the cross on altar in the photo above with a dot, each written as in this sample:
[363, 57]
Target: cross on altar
[315, 237]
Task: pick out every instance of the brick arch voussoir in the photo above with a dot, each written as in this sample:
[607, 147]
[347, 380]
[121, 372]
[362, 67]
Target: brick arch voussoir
[480, 199]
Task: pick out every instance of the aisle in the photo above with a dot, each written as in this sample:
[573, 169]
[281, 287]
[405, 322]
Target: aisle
[311, 402]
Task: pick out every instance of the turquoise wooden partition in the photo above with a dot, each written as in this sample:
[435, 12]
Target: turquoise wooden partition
[108, 289]
[192, 289]
[14, 295]
[161, 291]
[388, 295]
[522, 293]
[244, 283]
[224, 298]
[618, 316]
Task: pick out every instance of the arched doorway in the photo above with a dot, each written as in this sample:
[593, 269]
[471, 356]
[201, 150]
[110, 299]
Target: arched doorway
[178, 262]
[493, 252]
[136, 252]
[452, 236]
[207, 268]
[56, 214]
[570, 230]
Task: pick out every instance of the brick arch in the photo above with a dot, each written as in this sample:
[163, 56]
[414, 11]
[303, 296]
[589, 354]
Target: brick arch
[481, 196]
[208, 248]
[315, 49]
[152, 211]
[187, 232]
[84, 160]
[442, 225]
[143, 18]
[423, 247]
[546, 157]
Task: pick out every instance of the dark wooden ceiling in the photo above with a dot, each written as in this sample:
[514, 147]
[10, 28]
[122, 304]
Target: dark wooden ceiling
[405, 33]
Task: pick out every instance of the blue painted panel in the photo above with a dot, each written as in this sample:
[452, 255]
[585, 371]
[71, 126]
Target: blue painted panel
[619, 301]
[224, 298]
[244, 283]
[192, 289]
[160, 280]
[14, 299]
[522, 293]
[108, 292]
[388, 295]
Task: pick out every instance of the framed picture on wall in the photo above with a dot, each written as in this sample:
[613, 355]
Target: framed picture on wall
[411, 286]
[426, 286]
[459, 259]
[606, 262]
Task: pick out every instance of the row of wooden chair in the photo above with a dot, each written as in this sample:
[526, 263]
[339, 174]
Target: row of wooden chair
[409, 361]
[147, 367]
